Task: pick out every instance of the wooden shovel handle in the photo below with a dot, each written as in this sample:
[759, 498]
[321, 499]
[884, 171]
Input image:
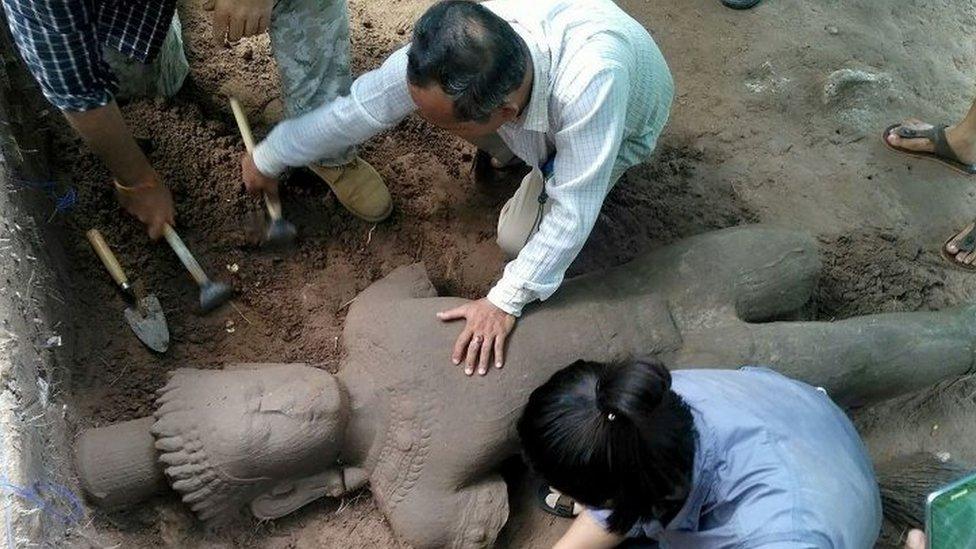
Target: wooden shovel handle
[108, 258]
[273, 205]
[242, 124]
[190, 262]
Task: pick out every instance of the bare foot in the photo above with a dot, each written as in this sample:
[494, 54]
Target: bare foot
[956, 249]
[915, 540]
[960, 143]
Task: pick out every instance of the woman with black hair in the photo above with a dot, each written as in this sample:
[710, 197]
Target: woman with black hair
[700, 458]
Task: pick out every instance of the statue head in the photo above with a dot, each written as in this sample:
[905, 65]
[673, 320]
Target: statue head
[266, 437]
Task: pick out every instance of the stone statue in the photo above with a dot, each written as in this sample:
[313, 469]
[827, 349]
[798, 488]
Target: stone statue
[428, 439]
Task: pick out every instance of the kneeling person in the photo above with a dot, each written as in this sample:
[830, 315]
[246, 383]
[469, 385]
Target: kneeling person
[701, 458]
[576, 89]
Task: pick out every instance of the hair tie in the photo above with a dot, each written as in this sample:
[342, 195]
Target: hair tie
[611, 416]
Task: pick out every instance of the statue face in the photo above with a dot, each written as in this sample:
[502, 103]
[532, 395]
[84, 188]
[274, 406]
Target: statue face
[278, 424]
[230, 436]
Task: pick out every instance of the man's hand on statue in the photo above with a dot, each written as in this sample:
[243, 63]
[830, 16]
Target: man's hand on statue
[483, 337]
[256, 182]
[150, 203]
[234, 19]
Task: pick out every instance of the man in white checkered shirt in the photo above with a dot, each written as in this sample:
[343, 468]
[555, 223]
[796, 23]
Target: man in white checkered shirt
[576, 89]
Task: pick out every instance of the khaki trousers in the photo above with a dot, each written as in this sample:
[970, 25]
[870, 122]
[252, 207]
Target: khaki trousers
[521, 215]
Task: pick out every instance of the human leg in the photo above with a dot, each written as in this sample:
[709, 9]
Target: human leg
[161, 78]
[521, 215]
[310, 41]
[501, 155]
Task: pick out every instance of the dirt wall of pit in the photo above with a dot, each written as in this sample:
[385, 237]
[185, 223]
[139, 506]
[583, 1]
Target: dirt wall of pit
[39, 502]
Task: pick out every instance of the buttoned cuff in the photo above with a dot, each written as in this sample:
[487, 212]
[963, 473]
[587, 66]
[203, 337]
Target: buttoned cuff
[510, 297]
[266, 162]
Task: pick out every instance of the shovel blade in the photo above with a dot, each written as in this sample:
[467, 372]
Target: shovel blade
[151, 329]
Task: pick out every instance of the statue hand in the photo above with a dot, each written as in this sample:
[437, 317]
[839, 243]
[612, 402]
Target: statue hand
[484, 334]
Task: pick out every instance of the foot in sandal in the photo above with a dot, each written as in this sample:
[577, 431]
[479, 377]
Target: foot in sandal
[739, 4]
[960, 250]
[953, 146]
[556, 503]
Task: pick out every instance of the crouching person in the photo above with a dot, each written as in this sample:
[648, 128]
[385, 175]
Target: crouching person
[700, 458]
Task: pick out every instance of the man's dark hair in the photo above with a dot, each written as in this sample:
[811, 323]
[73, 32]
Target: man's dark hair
[472, 54]
[612, 436]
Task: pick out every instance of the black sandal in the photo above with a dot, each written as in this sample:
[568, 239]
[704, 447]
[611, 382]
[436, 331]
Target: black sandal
[942, 154]
[740, 4]
[564, 506]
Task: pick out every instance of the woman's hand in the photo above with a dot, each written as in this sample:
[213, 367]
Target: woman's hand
[587, 533]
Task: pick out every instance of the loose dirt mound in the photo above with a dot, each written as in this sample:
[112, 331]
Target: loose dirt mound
[875, 271]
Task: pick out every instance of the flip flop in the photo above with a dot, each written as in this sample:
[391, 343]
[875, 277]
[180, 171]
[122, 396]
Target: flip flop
[563, 505]
[967, 244]
[740, 4]
[943, 153]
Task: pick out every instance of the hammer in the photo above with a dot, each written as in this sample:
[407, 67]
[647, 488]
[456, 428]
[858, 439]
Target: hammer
[280, 232]
[212, 294]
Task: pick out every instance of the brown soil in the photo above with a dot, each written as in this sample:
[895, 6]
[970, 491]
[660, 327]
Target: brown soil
[291, 304]
[875, 271]
[740, 148]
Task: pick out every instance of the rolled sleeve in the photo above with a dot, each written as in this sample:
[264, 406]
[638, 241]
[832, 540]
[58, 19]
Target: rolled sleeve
[58, 40]
[586, 149]
[377, 101]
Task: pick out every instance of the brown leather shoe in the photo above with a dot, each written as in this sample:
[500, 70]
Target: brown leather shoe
[359, 188]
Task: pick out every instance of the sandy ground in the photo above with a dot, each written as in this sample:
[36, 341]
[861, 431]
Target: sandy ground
[777, 119]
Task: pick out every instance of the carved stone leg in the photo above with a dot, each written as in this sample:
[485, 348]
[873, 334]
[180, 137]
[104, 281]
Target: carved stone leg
[755, 273]
[857, 360]
[429, 516]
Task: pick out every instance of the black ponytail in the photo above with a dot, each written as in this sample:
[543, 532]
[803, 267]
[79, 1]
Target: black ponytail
[612, 436]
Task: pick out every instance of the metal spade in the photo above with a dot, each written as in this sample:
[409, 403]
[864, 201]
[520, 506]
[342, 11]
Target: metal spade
[144, 313]
[280, 231]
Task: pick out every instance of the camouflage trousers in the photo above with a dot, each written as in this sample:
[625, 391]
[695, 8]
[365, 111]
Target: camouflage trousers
[310, 43]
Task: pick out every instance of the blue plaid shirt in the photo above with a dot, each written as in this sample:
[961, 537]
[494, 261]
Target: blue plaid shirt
[61, 41]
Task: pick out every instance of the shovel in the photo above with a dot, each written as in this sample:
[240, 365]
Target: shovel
[144, 313]
[280, 232]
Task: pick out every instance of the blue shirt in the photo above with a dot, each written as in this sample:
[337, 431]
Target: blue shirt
[777, 465]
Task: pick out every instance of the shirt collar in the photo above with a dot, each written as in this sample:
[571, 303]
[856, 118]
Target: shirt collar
[535, 116]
